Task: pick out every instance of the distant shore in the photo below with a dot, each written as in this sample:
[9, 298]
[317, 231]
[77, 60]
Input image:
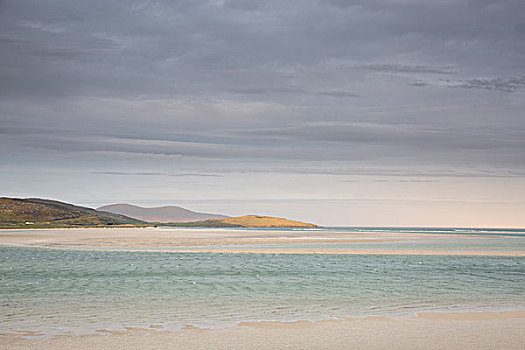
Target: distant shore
[474, 330]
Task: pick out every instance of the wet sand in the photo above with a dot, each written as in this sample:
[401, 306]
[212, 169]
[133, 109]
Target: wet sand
[223, 241]
[484, 330]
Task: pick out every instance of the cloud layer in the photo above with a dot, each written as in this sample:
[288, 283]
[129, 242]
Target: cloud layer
[199, 90]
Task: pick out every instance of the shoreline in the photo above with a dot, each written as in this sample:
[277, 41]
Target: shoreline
[242, 241]
[440, 330]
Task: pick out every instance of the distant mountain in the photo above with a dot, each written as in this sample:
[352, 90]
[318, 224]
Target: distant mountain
[249, 221]
[36, 212]
[160, 214]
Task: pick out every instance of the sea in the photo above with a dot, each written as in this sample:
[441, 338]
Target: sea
[49, 291]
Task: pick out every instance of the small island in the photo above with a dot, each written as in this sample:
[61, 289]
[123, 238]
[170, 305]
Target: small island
[245, 221]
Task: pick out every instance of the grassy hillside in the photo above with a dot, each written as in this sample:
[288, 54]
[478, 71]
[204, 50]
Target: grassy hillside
[246, 221]
[36, 213]
[264, 221]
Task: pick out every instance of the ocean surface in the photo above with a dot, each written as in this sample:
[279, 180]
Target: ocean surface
[59, 291]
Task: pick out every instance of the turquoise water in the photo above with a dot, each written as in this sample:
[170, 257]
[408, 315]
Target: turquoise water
[426, 230]
[505, 232]
[61, 291]
[463, 244]
[434, 239]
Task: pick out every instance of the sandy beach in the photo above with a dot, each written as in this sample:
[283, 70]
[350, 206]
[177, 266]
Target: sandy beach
[427, 330]
[157, 237]
[484, 330]
[226, 241]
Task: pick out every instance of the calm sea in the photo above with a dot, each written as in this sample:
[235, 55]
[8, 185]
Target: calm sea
[59, 291]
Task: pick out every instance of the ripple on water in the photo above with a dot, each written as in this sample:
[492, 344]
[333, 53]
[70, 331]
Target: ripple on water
[58, 291]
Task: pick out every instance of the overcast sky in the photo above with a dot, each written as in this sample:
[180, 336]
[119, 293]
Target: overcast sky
[394, 112]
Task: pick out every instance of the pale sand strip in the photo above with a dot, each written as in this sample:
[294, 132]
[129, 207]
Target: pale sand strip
[487, 330]
[202, 240]
[155, 237]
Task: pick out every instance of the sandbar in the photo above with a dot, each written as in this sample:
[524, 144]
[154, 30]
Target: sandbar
[229, 241]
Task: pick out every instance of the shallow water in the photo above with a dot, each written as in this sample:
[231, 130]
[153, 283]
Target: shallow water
[505, 232]
[456, 244]
[60, 291]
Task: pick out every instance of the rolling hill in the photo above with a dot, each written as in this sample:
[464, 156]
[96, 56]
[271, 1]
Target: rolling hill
[160, 214]
[248, 221]
[36, 212]
[45, 213]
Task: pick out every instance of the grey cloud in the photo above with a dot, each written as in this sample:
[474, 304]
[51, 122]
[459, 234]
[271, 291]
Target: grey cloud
[52, 28]
[420, 84]
[499, 84]
[401, 68]
[392, 135]
[338, 94]
[407, 181]
[422, 174]
[261, 83]
[319, 142]
[151, 174]
[124, 173]
[266, 90]
[291, 90]
[173, 48]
